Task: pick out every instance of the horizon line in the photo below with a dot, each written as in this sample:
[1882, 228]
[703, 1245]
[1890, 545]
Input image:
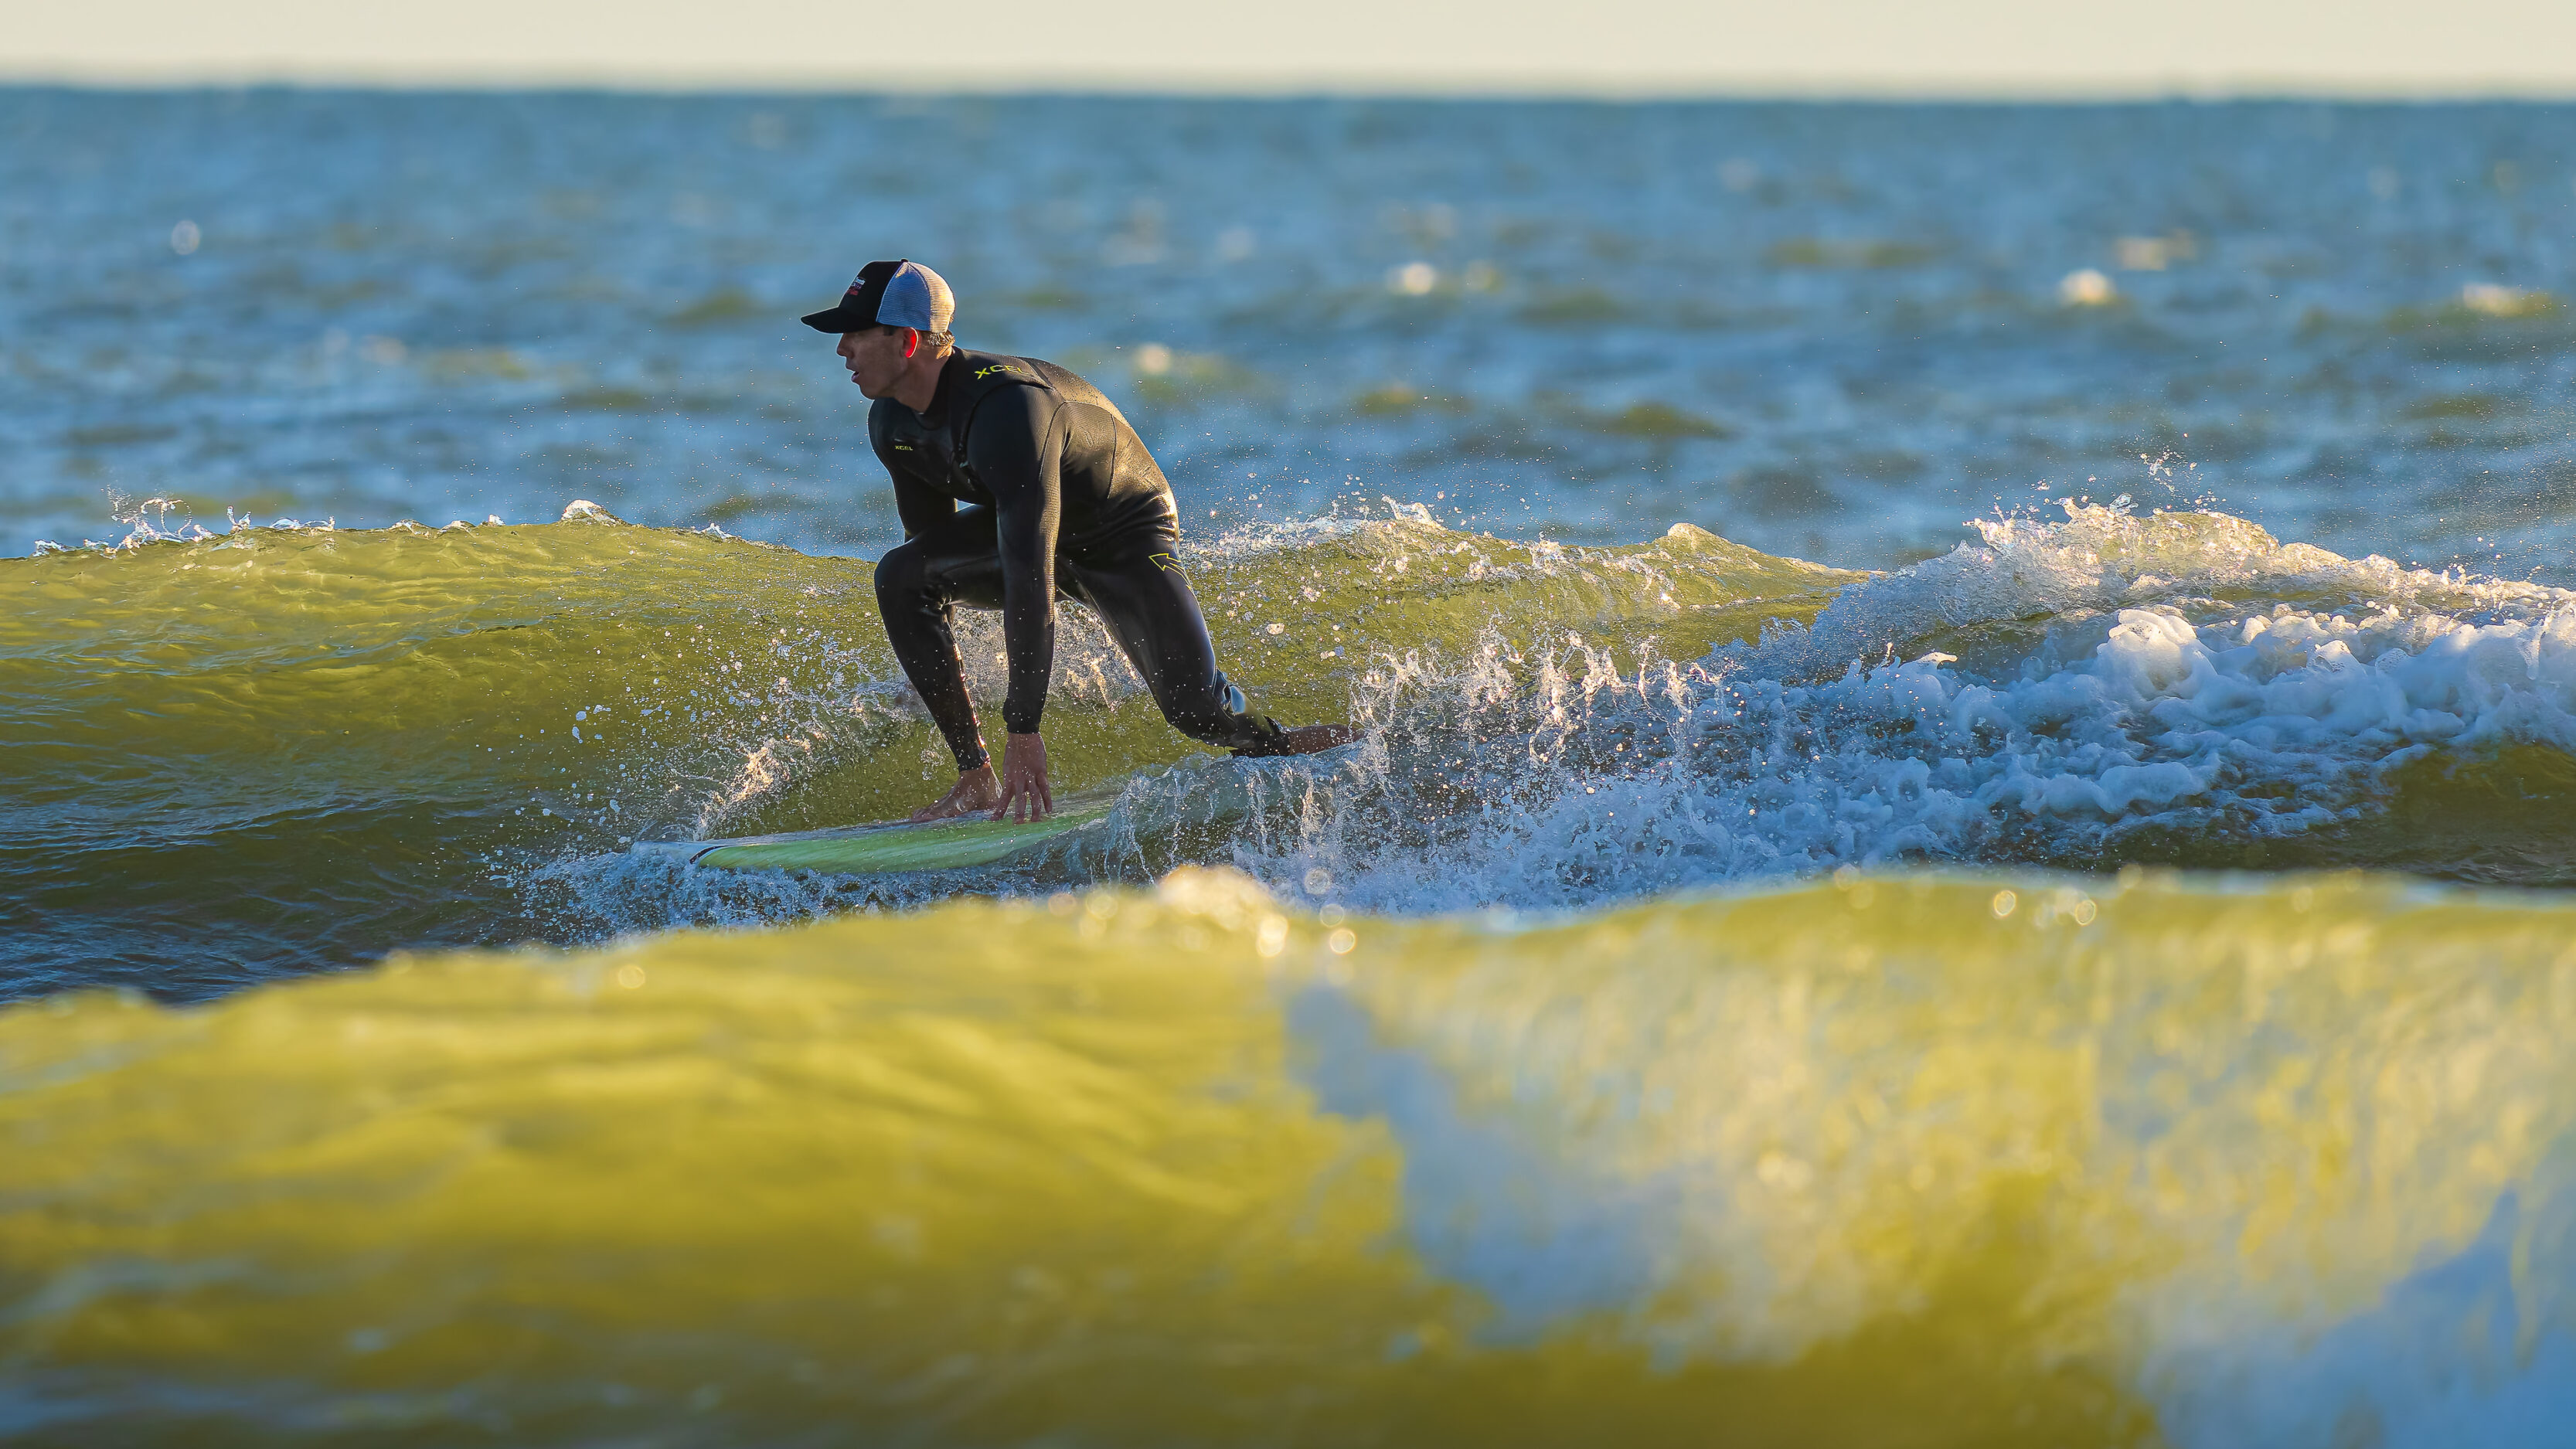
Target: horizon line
[1294, 85]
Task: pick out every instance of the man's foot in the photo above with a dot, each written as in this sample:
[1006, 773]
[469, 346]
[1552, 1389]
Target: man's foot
[976, 791]
[1312, 739]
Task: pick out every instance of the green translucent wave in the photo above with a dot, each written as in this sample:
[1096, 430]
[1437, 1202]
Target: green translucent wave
[284, 749]
[1887, 1160]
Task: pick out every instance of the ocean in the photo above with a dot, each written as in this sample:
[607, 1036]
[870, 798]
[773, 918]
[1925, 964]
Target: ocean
[1964, 833]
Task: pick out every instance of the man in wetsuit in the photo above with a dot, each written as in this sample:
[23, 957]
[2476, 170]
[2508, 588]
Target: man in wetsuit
[1061, 499]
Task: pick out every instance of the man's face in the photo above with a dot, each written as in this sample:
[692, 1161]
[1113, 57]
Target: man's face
[875, 359]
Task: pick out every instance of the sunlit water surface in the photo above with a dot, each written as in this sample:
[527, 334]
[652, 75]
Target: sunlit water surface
[1963, 836]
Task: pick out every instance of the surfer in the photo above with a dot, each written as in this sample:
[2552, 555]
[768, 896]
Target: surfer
[1060, 499]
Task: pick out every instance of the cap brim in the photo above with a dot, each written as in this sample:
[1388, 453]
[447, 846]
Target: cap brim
[838, 319]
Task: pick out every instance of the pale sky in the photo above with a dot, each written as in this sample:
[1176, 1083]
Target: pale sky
[1868, 47]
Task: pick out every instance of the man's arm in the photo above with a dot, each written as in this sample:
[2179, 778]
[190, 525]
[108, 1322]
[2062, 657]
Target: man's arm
[1016, 447]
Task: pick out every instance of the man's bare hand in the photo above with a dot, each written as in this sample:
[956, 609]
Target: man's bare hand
[1024, 779]
[975, 791]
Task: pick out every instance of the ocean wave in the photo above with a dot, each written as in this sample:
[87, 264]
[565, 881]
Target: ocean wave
[2174, 687]
[313, 745]
[1974, 1159]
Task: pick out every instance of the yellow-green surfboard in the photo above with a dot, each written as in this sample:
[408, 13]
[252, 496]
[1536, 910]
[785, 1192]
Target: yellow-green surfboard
[884, 848]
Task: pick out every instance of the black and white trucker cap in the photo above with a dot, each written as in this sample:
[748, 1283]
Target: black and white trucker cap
[892, 294]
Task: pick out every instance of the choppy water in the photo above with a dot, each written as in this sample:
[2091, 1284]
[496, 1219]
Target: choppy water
[1820, 330]
[2101, 982]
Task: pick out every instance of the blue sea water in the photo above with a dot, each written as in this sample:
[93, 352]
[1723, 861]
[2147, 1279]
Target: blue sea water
[1833, 331]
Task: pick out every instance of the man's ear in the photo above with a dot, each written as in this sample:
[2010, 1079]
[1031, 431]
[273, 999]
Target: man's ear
[911, 343]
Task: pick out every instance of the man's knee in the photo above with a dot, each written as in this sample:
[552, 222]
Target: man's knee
[901, 576]
[1216, 715]
[1207, 726]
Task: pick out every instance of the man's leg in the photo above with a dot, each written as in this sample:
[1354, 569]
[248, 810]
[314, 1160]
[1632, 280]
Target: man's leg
[1139, 592]
[918, 581]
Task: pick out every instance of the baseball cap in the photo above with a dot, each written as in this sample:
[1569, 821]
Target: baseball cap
[894, 294]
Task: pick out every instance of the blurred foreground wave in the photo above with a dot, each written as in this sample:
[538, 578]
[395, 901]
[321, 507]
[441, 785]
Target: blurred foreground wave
[1923, 1158]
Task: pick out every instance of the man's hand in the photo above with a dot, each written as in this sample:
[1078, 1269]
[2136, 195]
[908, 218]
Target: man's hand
[1024, 779]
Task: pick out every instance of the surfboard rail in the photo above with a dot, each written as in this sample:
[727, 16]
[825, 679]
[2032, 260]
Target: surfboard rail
[882, 847]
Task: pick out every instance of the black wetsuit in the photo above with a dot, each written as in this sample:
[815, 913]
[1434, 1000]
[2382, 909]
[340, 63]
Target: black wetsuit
[1062, 500]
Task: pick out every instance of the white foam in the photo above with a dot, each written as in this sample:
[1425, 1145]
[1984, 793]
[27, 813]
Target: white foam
[2178, 671]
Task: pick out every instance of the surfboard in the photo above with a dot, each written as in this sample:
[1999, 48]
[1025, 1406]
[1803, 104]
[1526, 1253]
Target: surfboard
[884, 848]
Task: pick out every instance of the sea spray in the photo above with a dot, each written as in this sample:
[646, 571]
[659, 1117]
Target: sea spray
[2173, 688]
